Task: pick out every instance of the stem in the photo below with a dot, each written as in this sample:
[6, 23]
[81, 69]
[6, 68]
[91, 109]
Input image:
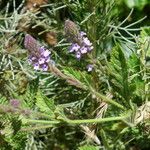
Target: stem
[40, 121]
[100, 120]
[78, 84]
[106, 99]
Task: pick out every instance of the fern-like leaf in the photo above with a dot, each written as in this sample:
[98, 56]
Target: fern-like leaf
[118, 70]
[82, 77]
[44, 104]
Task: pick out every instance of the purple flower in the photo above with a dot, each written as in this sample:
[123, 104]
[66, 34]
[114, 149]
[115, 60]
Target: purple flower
[44, 67]
[82, 47]
[46, 53]
[87, 42]
[74, 47]
[39, 56]
[36, 66]
[80, 43]
[83, 50]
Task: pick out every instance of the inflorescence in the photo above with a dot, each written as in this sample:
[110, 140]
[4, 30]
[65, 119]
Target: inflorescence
[39, 56]
[80, 44]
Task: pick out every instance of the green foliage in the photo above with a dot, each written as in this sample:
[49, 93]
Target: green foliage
[118, 69]
[69, 108]
[28, 97]
[44, 104]
[83, 77]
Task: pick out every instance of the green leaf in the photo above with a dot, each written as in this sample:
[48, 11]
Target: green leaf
[44, 104]
[104, 139]
[83, 77]
[145, 42]
[135, 76]
[118, 70]
[29, 96]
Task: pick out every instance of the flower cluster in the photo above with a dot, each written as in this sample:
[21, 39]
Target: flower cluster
[82, 47]
[80, 43]
[38, 55]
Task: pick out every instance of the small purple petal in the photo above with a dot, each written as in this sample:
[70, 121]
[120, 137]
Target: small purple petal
[74, 47]
[33, 58]
[78, 55]
[87, 42]
[41, 61]
[46, 53]
[36, 66]
[44, 67]
[83, 50]
[30, 60]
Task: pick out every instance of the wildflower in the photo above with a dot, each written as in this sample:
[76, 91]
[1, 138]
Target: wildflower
[80, 43]
[74, 47]
[39, 56]
[82, 47]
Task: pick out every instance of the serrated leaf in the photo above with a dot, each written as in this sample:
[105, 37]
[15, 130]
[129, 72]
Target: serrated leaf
[136, 79]
[29, 96]
[44, 104]
[118, 70]
[83, 77]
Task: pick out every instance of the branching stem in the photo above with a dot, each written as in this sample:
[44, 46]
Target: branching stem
[99, 120]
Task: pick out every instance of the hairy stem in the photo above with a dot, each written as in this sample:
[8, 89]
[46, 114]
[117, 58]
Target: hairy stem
[100, 120]
[77, 83]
